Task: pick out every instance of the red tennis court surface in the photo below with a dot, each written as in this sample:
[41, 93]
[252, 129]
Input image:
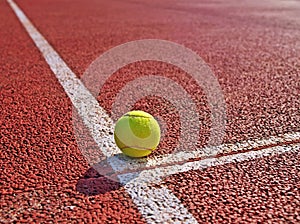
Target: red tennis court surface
[252, 47]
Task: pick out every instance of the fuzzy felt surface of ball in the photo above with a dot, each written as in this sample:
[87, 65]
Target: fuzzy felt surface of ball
[137, 134]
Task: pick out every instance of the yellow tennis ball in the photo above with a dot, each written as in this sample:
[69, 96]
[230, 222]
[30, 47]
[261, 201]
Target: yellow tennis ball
[137, 133]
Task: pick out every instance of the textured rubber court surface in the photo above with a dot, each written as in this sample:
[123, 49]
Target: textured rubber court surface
[252, 47]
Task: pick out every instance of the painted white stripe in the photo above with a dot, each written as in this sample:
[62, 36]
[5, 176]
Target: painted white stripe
[140, 187]
[96, 119]
[155, 204]
[166, 208]
[125, 164]
[156, 175]
[93, 116]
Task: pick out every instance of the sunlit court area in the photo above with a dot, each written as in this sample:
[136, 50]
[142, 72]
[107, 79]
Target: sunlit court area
[163, 111]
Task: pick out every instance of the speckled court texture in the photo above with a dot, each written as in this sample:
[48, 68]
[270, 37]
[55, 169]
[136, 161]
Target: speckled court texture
[253, 49]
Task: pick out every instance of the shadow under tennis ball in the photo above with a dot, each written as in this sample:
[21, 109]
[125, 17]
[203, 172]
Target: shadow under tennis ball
[93, 183]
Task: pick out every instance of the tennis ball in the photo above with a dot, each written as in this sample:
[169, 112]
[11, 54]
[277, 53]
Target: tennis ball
[137, 133]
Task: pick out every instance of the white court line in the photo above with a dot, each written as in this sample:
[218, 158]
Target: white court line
[94, 117]
[155, 204]
[156, 175]
[124, 164]
[87, 106]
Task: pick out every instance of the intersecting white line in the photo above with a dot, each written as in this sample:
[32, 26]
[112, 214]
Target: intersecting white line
[93, 114]
[155, 175]
[157, 205]
[124, 164]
